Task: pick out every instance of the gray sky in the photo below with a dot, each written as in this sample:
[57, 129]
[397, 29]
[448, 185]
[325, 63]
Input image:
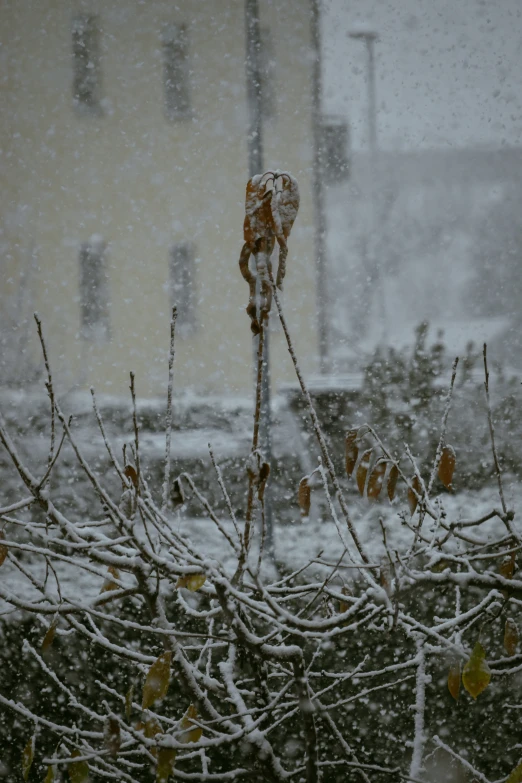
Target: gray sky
[449, 71]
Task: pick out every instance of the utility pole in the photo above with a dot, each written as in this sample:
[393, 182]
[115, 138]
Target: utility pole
[369, 37]
[318, 192]
[256, 166]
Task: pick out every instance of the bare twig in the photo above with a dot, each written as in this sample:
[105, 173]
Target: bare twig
[168, 416]
[49, 385]
[136, 432]
[317, 427]
[493, 447]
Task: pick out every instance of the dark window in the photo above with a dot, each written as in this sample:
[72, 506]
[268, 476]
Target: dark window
[86, 62]
[267, 71]
[94, 291]
[182, 285]
[176, 72]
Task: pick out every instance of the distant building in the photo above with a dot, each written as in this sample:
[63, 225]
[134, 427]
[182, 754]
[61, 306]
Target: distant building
[124, 165]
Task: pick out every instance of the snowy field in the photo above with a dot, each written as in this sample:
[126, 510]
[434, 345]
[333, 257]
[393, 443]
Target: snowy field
[313, 540]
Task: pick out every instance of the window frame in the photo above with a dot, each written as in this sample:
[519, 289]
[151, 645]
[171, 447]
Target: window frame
[86, 83]
[177, 88]
[94, 291]
[182, 285]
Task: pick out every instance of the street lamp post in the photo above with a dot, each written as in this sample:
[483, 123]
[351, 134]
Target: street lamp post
[369, 37]
[256, 166]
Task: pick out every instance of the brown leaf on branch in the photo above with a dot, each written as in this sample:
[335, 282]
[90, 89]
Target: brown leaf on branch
[376, 479]
[177, 495]
[304, 496]
[392, 481]
[413, 491]
[27, 757]
[507, 566]
[150, 728]
[454, 680]
[130, 472]
[516, 775]
[447, 466]
[165, 765]
[351, 452]
[344, 605]
[362, 470]
[78, 770]
[476, 674]
[128, 702]
[112, 736]
[192, 732]
[511, 636]
[192, 581]
[157, 680]
[385, 575]
[49, 636]
[3, 548]
[109, 583]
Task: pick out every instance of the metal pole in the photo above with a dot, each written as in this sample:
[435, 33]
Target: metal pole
[255, 166]
[372, 101]
[373, 150]
[318, 193]
[253, 72]
[369, 37]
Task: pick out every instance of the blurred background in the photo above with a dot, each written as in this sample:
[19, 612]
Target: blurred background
[129, 132]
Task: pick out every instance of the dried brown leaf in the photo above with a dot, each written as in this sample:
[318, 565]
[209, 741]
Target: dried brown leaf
[110, 584]
[351, 452]
[304, 496]
[49, 636]
[385, 576]
[414, 490]
[3, 548]
[516, 775]
[112, 736]
[165, 765]
[376, 479]
[78, 770]
[150, 728]
[27, 757]
[191, 581]
[392, 481]
[157, 680]
[177, 495]
[343, 605]
[192, 732]
[511, 636]
[49, 778]
[454, 680]
[362, 470]
[130, 472]
[507, 566]
[447, 466]
[129, 696]
[476, 674]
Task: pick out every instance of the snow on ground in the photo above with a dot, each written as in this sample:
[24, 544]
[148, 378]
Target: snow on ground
[295, 544]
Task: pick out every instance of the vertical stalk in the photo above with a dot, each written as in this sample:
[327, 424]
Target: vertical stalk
[317, 190]
[168, 418]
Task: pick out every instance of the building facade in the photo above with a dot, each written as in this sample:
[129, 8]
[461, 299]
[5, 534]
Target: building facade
[122, 187]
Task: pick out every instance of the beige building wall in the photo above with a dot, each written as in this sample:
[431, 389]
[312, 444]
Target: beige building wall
[143, 182]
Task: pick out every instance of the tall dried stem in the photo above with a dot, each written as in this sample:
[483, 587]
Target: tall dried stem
[168, 416]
